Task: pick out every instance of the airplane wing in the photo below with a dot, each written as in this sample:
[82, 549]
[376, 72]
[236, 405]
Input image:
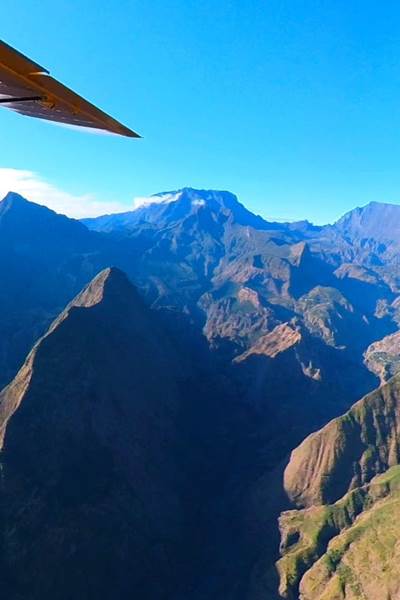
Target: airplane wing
[28, 88]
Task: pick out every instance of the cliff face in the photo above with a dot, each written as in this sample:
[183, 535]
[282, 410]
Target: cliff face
[89, 480]
[383, 357]
[341, 543]
[348, 451]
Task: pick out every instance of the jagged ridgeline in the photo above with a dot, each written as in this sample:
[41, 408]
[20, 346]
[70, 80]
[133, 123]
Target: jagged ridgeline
[147, 427]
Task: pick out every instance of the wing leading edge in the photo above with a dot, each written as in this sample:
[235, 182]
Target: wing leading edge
[28, 88]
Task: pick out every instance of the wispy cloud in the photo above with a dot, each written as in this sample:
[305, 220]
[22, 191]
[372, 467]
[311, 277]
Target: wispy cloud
[35, 188]
[142, 201]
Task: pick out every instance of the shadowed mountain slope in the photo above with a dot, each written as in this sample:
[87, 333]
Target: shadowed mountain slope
[89, 481]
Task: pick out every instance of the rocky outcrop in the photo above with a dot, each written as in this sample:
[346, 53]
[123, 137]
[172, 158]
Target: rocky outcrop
[281, 338]
[383, 357]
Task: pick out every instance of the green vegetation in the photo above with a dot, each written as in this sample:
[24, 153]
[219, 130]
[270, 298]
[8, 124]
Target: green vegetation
[329, 531]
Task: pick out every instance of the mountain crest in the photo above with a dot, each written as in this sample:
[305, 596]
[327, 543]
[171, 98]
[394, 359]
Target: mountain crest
[109, 281]
[176, 207]
[111, 291]
[13, 197]
[12, 201]
[376, 220]
[110, 286]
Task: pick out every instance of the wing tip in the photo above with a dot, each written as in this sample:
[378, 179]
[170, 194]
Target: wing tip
[133, 134]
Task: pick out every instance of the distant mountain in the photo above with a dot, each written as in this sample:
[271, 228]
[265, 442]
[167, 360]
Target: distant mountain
[168, 208]
[364, 245]
[90, 502]
[376, 220]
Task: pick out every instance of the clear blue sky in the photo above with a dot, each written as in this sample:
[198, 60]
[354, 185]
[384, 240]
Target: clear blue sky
[293, 105]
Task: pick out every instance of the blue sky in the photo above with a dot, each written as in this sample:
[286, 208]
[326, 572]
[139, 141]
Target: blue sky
[292, 105]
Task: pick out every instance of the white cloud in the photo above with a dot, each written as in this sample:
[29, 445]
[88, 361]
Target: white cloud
[35, 188]
[198, 202]
[141, 201]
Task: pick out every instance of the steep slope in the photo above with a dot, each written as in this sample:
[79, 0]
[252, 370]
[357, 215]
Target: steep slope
[362, 562]
[348, 451]
[347, 550]
[89, 482]
[341, 544]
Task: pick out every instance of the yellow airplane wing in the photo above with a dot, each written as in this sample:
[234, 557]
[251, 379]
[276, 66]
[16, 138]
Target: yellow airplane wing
[27, 88]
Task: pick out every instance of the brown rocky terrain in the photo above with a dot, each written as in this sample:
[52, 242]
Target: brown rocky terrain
[348, 451]
[281, 338]
[383, 357]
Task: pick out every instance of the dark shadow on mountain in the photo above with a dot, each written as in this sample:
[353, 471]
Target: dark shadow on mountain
[362, 294]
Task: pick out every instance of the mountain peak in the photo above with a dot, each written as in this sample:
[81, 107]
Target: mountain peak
[14, 203]
[110, 281]
[12, 197]
[12, 200]
[32, 220]
[189, 199]
[377, 220]
[198, 196]
[108, 298]
[173, 207]
[372, 210]
[111, 289]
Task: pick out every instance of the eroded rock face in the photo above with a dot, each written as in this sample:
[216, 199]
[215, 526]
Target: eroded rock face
[341, 542]
[348, 451]
[383, 357]
[281, 338]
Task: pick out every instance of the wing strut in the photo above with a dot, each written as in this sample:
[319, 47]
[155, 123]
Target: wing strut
[26, 99]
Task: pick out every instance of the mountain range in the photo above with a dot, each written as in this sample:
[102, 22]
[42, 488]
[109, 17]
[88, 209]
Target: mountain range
[173, 384]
